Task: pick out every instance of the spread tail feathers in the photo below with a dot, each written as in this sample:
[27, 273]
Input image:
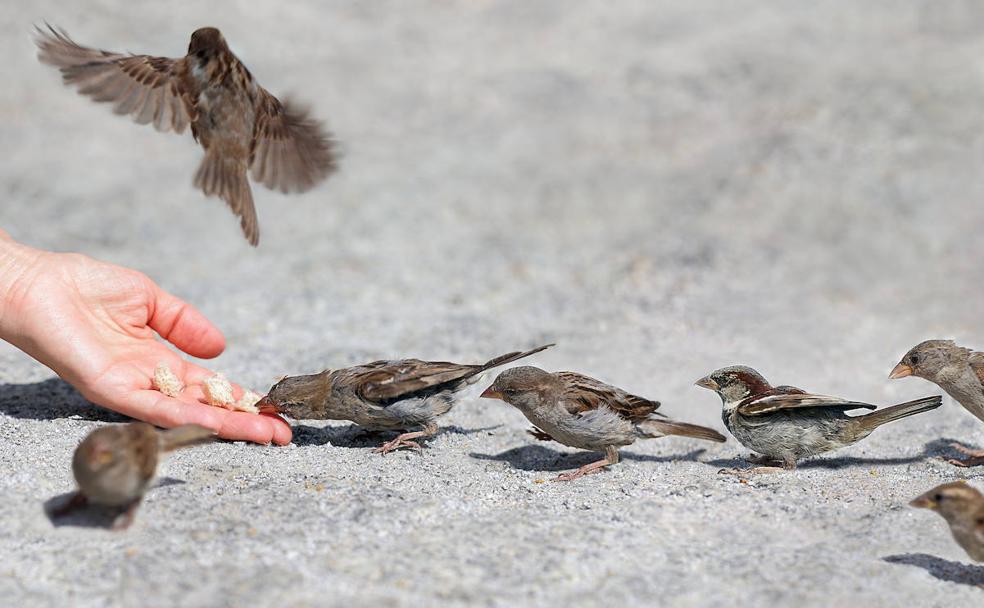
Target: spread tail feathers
[225, 177]
[888, 414]
[185, 436]
[660, 428]
[510, 357]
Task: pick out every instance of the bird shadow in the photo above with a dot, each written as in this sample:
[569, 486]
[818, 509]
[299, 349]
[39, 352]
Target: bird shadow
[355, 436]
[540, 458]
[61, 514]
[943, 569]
[51, 399]
[935, 448]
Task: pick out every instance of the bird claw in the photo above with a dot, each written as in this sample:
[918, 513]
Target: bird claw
[396, 444]
[967, 451]
[970, 462]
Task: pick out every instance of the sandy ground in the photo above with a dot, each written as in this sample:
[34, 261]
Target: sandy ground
[662, 188]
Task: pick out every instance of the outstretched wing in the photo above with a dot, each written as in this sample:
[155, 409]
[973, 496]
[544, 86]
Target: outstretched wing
[290, 151]
[147, 88]
[790, 397]
[387, 381]
[584, 394]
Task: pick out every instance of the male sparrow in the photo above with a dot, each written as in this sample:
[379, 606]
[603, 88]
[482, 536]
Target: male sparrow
[963, 509]
[114, 465]
[786, 424]
[382, 395]
[957, 370]
[240, 125]
[584, 413]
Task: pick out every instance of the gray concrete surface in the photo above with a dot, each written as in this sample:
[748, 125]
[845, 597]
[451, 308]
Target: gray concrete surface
[660, 187]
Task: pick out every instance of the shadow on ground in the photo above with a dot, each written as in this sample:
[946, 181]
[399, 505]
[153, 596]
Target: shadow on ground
[540, 458]
[89, 515]
[944, 570]
[51, 399]
[355, 436]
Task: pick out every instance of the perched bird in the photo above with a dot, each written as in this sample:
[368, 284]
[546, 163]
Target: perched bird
[584, 413]
[114, 465]
[382, 395]
[240, 124]
[963, 509]
[786, 424]
[957, 370]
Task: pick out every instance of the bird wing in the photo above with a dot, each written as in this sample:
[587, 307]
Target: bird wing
[583, 394]
[387, 381]
[290, 151]
[977, 364]
[790, 397]
[147, 88]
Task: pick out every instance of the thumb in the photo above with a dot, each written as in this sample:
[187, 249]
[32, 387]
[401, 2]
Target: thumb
[182, 325]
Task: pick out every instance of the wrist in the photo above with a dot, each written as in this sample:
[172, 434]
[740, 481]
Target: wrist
[18, 264]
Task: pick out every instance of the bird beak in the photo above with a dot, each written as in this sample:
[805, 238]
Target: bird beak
[267, 406]
[924, 502]
[707, 383]
[491, 393]
[901, 370]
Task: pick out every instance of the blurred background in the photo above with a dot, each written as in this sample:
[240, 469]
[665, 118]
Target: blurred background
[662, 188]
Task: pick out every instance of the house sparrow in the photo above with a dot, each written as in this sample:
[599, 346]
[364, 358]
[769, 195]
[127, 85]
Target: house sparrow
[957, 370]
[382, 395]
[239, 123]
[963, 509]
[114, 465]
[584, 413]
[786, 424]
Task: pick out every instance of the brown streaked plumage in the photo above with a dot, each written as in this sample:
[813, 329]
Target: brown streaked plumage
[962, 506]
[241, 126]
[114, 465]
[581, 412]
[382, 395]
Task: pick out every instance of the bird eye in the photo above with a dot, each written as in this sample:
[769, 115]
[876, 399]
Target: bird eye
[200, 54]
[914, 358]
[937, 497]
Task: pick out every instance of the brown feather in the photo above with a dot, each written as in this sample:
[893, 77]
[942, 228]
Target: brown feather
[582, 394]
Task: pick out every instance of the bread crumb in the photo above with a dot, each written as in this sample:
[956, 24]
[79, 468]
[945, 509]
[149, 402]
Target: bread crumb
[247, 403]
[166, 382]
[218, 392]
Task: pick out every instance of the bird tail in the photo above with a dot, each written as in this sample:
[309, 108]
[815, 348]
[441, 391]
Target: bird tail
[510, 357]
[888, 414]
[225, 176]
[185, 436]
[654, 427]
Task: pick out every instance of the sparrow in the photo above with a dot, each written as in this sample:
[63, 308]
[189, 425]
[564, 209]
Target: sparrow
[786, 424]
[585, 413]
[114, 465]
[963, 509]
[240, 124]
[382, 395]
[957, 370]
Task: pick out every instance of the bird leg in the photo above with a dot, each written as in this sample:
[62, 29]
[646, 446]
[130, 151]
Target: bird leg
[611, 457]
[125, 518]
[976, 456]
[405, 440]
[74, 502]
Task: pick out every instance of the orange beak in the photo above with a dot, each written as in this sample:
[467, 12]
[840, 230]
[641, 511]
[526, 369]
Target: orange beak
[902, 370]
[491, 393]
[267, 406]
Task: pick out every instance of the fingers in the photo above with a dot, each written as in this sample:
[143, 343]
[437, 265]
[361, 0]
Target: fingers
[161, 410]
[182, 325]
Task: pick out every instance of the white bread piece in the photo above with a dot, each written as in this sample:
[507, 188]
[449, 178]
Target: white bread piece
[166, 382]
[218, 392]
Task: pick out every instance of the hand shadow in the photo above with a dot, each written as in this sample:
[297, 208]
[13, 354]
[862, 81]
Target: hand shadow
[539, 458]
[355, 436]
[51, 399]
[944, 570]
[89, 515]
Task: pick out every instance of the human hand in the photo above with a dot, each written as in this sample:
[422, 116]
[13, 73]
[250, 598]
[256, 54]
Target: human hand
[95, 324]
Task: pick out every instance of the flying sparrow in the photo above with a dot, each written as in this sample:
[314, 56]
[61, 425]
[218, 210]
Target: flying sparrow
[963, 509]
[786, 424]
[114, 465]
[584, 413]
[382, 395]
[957, 370]
[240, 124]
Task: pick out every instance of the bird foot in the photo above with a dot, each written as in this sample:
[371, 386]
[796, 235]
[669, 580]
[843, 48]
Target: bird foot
[976, 456]
[124, 519]
[399, 442]
[75, 501]
[588, 469]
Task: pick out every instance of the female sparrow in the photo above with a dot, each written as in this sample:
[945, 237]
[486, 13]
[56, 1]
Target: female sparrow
[114, 465]
[240, 124]
[963, 509]
[584, 413]
[786, 424]
[382, 395]
[957, 370]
